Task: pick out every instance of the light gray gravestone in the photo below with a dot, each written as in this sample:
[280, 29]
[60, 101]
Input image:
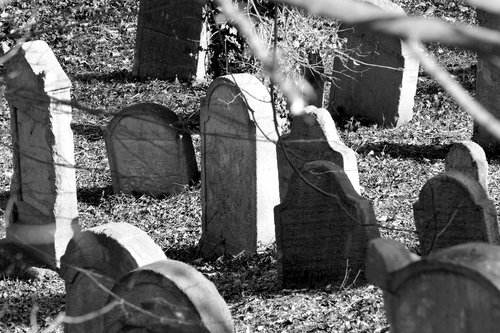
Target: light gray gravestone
[453, 290]
[43, 188]
[313, 137]
[239, 186]
[380, 81]
[322, 228]
[468, 157]
[149, 152]
[168, 296]
[172, 40]
[453, 208]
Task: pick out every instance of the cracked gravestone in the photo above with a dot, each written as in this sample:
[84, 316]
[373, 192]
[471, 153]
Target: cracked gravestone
[149, 151]
[379, 81]
[313, 137]
[43, 216]
[322, 228]
[239, 168]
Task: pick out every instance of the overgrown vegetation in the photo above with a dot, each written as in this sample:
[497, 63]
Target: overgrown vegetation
[94, 42]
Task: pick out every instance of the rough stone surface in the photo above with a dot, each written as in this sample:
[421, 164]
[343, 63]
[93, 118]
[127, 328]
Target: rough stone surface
[149, 152]
[383, 93]
[313, 137]
[43, 188]
[487, 86]
[468, 157]
[453, 208]
[172, 290]
[454, 290]
[322, 228]
[239, 168]
[97, 258]
[169, 36]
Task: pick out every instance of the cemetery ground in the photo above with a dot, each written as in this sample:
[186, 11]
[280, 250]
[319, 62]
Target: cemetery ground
[94, 44]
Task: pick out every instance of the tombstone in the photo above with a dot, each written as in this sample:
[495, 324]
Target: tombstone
[452, 290]
[149, 152]
[239, 186]
[168, 296]
[43, 216]
[322, 228]
[172, 40]
[487, 85]
[468, 158]
[313, 137]
[453, 208]
[94, 261]
[380, 80]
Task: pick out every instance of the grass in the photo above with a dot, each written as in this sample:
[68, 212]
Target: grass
[96, 51]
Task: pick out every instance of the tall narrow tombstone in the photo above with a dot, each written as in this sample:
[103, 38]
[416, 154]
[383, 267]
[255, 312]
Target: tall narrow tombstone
[468, 157]
[43, 188]
[380, 81]
[171, 40]
[239, 168]
[149, 151]
[313, 137]
[168, 296]
[454, 290]
[453, 208]
[322, 228]
[487, 85]
[94, 261]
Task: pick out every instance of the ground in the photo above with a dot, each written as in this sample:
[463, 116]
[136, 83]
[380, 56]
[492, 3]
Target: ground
[94, 42]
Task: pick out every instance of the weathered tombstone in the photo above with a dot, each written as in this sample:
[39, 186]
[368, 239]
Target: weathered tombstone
[453, 208]
[168, 296]
[171, 40]
[468, 158]
[380, 81]
[239, 186]
[454, 290]
[44, 214]
[94, 261]
[149, 152]
[322, 228]
[487, 85]
[313, 137]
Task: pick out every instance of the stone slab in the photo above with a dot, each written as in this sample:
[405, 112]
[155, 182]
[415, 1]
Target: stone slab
[239, 173]
[468, 158]
[322, 229]
[149, 151]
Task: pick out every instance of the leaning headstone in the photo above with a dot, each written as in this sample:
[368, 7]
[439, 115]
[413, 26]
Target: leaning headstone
[453, 208]
[487, 85]
[379, 81]
[468, 157]
[167, 296]
[322, 228]
[149, 152]
[94, 261]
[313, 137]
[44, 214]
[239, 186]
[172, 40]
[454, 290]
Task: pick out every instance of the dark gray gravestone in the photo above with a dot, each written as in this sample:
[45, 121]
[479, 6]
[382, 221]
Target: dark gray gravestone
[149, 152]
[380, 81]
[168, 296]
[468, 158]
[169, 36]
[453, 208]
[322, 235]
[313, 137]
[453, 290]
[239, 186]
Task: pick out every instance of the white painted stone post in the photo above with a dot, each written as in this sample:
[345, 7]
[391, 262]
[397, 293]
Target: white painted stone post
[43, 188]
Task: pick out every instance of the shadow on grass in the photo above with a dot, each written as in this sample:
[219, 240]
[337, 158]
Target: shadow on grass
[408, 151]
[116, 76]
[94, 196]
[4, 198]
[89, 132]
